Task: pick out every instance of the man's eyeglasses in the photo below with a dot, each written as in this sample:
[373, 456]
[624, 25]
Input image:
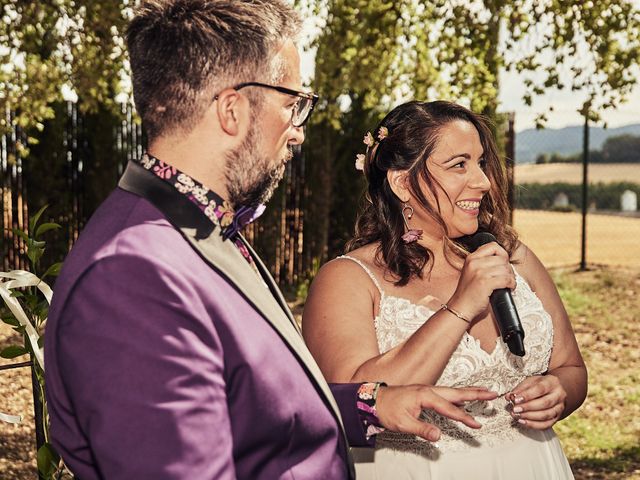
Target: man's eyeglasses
[303, 107]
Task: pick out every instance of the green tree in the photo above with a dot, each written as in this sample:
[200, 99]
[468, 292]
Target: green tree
[44, 46]
[621, 149]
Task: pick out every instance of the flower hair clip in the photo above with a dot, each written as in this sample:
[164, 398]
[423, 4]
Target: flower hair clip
[368, 140]
[371, 143]
[383, 133]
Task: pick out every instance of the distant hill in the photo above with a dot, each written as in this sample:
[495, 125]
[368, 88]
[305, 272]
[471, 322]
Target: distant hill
[564, 141]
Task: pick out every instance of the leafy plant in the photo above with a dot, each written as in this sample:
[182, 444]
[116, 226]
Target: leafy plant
[27, 298]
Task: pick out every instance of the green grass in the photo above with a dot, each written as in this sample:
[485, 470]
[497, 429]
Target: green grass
[602, 438]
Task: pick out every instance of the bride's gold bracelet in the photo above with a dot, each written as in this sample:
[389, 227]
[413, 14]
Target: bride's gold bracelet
[457, 314]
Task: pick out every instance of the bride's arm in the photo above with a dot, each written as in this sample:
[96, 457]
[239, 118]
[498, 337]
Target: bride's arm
[339, 330]
[548, 398]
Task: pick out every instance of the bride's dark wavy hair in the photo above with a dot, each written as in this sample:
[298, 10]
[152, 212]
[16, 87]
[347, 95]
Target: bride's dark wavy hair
[414, 130]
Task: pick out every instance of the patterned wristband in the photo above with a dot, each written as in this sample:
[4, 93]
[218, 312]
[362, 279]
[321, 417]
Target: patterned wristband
[367, 395]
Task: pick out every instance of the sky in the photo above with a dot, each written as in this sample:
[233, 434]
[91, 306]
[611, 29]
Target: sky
[565, 103]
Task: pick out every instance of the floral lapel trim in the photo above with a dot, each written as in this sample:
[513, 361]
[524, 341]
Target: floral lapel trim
[216, 209]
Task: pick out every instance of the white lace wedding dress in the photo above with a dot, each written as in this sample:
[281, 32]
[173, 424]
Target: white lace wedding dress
[501, 449]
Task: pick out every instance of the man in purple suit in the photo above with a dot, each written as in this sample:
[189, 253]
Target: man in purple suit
[170, 351]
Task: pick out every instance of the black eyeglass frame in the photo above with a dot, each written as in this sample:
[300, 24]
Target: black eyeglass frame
[287, 91]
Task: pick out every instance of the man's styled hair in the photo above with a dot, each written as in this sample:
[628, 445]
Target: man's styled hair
[183, 52]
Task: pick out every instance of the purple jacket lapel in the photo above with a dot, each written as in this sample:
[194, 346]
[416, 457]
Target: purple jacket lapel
[225, 257]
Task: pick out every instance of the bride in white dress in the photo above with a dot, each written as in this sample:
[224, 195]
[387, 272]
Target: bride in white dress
[409, 306]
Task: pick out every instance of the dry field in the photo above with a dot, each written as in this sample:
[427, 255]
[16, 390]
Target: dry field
[555, 237]
[572, 173]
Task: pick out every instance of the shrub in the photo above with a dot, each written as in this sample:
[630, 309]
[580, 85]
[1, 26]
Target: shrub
[540, 196]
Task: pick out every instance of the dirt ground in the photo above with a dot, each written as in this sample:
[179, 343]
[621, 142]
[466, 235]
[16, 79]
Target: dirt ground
[17, 442]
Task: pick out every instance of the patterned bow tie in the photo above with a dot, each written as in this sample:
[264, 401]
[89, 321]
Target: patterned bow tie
[242, 217]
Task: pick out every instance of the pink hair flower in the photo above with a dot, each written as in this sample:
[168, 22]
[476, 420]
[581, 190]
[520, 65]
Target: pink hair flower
[360, 161]
[383, 133]
[368, 140]
[411, 236]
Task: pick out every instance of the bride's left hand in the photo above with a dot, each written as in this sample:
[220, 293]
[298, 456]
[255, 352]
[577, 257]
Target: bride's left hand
[538, 401]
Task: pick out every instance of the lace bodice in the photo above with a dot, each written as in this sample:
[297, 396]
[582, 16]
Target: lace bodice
[469, 365]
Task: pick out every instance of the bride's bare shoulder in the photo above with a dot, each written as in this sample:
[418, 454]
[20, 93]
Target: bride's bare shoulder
[344, 273]
[364, 256]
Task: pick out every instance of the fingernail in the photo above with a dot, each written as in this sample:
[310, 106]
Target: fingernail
[517, 409]
[518, 399]
[434, 436]
[522, 422]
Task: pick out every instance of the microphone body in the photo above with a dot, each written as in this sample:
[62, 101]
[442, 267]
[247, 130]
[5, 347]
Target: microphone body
[502, 303]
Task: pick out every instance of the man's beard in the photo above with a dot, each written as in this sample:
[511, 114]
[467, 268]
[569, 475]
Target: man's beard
[251, 177]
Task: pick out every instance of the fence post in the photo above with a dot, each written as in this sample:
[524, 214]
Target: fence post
[585, 186]
[37, 413]
[510, 162]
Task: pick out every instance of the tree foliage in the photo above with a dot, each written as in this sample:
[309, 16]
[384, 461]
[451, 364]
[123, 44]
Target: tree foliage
[48, 45]
[602, 196]
[593, 47]
[622, 149]
[457, 49]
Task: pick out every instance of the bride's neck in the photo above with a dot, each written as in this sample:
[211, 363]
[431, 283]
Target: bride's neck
[443, 263]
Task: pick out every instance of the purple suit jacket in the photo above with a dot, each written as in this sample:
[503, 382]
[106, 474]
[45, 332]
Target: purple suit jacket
[167, 357]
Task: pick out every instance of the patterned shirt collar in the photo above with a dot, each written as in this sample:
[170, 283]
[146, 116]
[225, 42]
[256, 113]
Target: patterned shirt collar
[212, 205]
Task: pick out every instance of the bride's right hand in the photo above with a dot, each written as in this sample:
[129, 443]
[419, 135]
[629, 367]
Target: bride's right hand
[485, 270]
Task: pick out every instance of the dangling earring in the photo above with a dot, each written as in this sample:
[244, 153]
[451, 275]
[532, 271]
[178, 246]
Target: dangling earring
[412, 234]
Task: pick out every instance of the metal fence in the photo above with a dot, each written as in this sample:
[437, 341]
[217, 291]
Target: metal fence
[57, 173]
[78, 160]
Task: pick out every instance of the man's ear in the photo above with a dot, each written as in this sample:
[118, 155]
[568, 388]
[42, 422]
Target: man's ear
[399, 184]
[229, 108]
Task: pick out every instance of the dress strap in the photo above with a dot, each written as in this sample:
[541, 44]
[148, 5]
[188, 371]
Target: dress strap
[366, 269]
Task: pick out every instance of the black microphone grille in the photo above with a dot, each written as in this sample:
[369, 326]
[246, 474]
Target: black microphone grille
[473, 242]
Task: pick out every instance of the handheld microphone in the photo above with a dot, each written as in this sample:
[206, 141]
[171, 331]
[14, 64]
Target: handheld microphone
[501, 301]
